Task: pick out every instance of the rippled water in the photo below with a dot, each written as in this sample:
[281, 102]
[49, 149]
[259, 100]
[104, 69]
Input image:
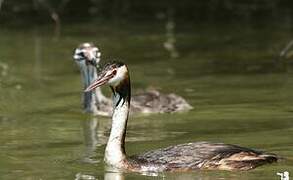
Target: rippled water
[240, 94]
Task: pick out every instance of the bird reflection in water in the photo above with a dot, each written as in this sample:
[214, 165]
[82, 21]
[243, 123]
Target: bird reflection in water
[111, 174]
[94, 137]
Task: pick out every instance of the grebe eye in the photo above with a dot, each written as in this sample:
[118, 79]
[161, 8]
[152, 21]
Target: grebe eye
[114, 72]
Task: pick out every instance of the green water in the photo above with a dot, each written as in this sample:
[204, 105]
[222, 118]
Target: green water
[240, 94]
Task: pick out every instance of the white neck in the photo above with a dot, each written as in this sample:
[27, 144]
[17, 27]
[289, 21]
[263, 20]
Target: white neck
[115, 152]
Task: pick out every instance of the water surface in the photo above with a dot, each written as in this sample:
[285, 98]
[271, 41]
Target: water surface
[240, 93]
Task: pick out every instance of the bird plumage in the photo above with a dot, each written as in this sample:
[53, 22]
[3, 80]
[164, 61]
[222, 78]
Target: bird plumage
[87, 56]
[182, 157]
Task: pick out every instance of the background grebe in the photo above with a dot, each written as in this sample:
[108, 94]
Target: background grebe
[94, 102]
[87, 56]
[183, 157]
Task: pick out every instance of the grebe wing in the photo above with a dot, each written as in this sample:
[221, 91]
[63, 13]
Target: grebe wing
[150, 101]
[205, 155]
[156, 102]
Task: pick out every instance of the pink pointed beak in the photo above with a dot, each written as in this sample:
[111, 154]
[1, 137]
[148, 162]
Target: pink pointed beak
[99, 82]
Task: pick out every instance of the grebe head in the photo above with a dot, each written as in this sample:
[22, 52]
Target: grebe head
[86, 55]
[87, 52]
[113, 73]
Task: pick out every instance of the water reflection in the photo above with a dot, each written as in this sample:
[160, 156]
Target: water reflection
[107, 176]
[38, 56]
[114, 176]
[169, 44]
[90, 128]
[3, 69]
[94, 136]
[198, 175]
[80, 176]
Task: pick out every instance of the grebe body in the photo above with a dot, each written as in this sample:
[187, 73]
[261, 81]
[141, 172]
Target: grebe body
[87, 56]
[201, 155]
[183, 157]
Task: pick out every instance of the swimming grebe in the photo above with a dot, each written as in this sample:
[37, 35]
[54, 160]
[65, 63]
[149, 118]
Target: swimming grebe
[93, 102]
[150, 101]
[183, 157]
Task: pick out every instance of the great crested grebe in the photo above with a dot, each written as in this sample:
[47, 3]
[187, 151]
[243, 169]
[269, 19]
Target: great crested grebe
[93, 102]
[87, 56]
[183, 157]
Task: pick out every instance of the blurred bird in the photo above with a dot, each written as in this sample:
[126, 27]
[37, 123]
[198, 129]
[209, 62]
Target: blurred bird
[87, 57]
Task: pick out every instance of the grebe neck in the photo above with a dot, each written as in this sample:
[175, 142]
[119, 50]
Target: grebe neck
[91, 100]
[115, 152]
